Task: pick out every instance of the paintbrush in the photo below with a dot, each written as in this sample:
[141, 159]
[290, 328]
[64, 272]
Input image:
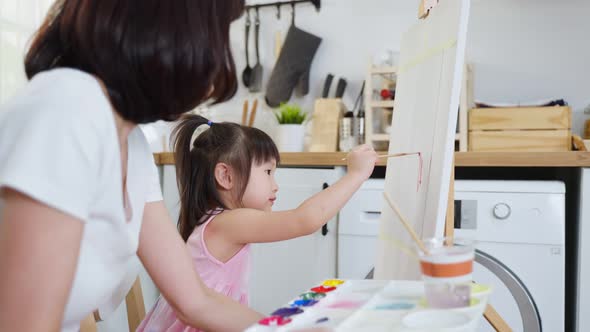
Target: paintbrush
[406, 224]
[393, 155]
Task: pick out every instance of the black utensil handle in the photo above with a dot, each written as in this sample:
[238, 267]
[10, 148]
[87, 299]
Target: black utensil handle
[325, 227]
[247, 38]
[257, 28]
[340, 88]
[327, 84]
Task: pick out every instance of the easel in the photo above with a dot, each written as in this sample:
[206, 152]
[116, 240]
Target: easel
[490, 314]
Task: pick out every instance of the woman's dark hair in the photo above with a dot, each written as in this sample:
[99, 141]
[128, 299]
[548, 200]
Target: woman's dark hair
[226, 142]
[158, 59]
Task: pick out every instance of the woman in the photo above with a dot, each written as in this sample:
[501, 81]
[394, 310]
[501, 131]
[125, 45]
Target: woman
[79, 186]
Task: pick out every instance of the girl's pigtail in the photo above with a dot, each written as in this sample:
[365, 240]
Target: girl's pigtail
[185, 170]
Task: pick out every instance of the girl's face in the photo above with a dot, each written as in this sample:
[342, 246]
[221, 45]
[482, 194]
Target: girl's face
[261, 191]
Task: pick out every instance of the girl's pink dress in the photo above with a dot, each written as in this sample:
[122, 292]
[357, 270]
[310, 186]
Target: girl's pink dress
[229, 278]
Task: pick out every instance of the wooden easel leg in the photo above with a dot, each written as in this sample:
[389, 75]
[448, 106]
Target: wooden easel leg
[490, 314]
[495, 320]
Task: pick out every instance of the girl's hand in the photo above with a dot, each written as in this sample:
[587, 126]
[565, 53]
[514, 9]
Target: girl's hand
[361, 161]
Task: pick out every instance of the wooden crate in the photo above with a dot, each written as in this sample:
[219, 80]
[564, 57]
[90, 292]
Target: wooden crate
[520, 129]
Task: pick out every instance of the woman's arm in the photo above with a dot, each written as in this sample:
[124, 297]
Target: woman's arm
[252, 226]
[165, 257]
[39, 249]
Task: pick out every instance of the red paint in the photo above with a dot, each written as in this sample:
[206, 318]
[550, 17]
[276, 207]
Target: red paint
[420, 164]
[419, 171]
[323, 289]
[274, 321]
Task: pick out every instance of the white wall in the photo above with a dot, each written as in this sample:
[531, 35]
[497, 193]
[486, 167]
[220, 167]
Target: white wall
[521, 50]
[18, 21]
[351, 31]
[531, 49]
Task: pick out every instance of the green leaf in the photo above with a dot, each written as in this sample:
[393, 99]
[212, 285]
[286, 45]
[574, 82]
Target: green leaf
[290, 114]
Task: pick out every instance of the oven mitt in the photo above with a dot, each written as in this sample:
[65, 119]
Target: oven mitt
[292, 67]
[302, 88]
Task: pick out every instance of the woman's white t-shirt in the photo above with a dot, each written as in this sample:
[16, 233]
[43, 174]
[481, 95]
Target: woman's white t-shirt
[59, 145]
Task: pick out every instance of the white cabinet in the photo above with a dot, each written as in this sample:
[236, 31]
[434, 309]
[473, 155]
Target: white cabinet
[279, 270]
[282, 269]
[358, 230]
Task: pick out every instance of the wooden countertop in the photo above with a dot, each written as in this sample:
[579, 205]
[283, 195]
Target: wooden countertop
[469, 159]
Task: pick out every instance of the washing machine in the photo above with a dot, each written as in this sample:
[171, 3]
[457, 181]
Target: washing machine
[583, 284]
[519, 229]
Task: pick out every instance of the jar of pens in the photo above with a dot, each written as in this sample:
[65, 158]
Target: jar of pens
[352, 125]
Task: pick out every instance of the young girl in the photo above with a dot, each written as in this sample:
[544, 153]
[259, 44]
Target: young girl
[227, 190]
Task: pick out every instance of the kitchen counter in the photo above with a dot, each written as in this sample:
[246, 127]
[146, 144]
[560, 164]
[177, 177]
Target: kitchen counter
[468, 159]
[543, 166]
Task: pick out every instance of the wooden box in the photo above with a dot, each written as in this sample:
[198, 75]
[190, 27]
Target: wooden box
[520, 129]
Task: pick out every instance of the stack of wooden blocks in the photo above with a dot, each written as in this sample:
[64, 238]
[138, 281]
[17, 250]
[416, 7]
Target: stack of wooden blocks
[520, 129]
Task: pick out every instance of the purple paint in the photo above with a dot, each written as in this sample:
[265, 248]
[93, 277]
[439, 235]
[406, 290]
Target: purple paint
[286, 312]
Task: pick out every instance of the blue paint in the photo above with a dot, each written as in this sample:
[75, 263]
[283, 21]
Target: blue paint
[303, 303]
[395, 306]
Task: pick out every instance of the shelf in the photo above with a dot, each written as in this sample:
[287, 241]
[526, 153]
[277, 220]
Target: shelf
[386, 75]
[380, 137]
[383, 70]
[462, 159]
[382, 103]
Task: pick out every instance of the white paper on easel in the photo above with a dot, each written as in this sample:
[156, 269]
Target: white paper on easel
[432, 55]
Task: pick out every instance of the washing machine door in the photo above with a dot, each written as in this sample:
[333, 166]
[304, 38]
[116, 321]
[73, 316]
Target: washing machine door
[518, 308]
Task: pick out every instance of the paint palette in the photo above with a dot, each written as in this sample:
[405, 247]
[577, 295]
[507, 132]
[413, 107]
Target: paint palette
[372, 305]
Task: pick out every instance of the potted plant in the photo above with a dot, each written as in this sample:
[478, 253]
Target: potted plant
[291, 129]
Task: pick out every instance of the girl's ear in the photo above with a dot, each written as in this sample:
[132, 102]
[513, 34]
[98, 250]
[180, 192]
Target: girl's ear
[224, 176]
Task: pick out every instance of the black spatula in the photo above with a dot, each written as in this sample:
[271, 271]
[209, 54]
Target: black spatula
[247, 73]
[256, 79]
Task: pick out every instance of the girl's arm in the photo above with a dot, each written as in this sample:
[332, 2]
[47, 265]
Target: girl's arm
[251, 226]
[165, 257]
[39, 249]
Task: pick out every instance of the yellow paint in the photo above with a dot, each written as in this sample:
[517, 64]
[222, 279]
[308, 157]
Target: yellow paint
[333, 283]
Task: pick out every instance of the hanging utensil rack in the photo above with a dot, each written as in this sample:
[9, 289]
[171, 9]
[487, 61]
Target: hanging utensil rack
[316, 3]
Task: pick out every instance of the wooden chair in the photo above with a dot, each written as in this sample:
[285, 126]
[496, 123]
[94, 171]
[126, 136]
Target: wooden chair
[135, 311]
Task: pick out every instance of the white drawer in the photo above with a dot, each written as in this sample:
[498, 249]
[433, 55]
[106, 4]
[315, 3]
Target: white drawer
[361, 215]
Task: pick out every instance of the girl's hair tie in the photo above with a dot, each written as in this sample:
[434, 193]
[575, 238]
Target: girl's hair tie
[210, 123]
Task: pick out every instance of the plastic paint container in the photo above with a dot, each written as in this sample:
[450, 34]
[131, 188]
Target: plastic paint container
[447, 272]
